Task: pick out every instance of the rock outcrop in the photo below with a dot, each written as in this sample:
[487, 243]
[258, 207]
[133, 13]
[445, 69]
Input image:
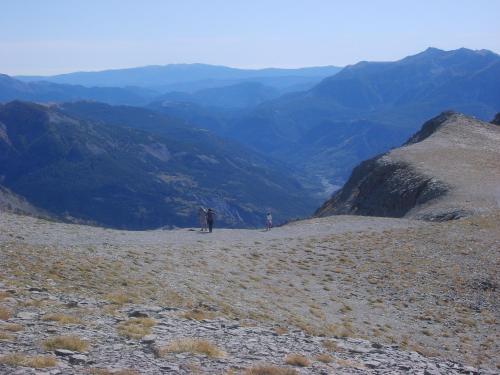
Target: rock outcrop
[447, 170]
[14, 203]
[496, 120]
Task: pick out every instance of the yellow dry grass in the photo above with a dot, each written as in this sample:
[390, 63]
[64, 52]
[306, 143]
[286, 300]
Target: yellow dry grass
[295, 359]
[349, 363]
[70, 342]
[103, 371]
[3, 295]
[4, 336]
[269, 370]
[325, 358]
[11, 327]
[120, 298]
[18, 359]
[62, 318]
[280, 330]
[5, 313]
[330, 345]
[194, 346]
[136, 328]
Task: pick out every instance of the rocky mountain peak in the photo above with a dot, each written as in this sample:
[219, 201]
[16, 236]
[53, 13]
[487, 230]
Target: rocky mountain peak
[434, 176]
[432, 126]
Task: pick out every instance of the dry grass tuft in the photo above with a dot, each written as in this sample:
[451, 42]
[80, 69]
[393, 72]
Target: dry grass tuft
[11, 327]
[297, 360]
[269, 370]
[14, 359]
[4, 336]
[104, 371]
[5, 314]
[17, 359]
[62, 318]
[41, 361]
[136, 328]
[4, 295]
[330, 345]
[325, 358]
[280, 330]
[194, 346]
[196, 314]
[119, 298]
[73, 343]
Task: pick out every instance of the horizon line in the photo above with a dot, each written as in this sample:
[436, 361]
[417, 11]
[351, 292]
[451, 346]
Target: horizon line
[99, 70]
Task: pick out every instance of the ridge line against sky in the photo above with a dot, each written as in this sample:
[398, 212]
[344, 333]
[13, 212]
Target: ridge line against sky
[61, 36]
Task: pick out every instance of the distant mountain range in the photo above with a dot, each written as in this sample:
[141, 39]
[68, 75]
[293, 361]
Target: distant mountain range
[237, 96]
[13, 89]
[190, 77]
[369, 107]
[128, 167]
[239, 122]
[216, 87]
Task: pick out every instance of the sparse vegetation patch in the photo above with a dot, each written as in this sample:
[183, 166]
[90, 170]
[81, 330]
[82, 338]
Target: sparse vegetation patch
[297, 360]
[18, 359]
[194, 346]
[73, 343]
[136, 328]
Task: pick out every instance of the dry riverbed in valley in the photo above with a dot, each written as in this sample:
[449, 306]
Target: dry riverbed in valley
[425, 287]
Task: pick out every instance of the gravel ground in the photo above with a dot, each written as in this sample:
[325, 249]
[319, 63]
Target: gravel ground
[430, 288]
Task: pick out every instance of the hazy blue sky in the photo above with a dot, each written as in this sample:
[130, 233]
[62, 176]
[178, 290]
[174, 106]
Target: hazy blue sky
[56, 36]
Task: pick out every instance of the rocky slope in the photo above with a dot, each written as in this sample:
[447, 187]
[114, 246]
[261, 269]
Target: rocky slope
[348, 295]
[11, 202]
[370, 107]
[132, 168]
[228, 346]
[449, 169]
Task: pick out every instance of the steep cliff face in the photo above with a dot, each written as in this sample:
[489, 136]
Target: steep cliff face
[382, 187]
[447, 170]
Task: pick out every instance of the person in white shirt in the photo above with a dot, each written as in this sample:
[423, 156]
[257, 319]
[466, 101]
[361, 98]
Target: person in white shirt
[269, 221]
[202, 216]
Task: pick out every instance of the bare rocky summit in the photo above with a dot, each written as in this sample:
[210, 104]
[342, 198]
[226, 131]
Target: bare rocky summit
[449, 169]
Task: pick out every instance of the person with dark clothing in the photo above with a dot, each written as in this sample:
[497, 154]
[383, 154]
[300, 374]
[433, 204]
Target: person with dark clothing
[210, 219]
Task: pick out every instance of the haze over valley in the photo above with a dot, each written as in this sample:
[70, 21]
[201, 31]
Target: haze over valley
[261, 188]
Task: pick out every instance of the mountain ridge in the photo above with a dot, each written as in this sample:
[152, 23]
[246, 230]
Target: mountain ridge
[447, 170]
[144, 173]
[158, 75]
[394, 97]
[42, 91]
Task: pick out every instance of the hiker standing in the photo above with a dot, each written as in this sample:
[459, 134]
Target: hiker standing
[269, 221]
[210, 219]
[202, 216]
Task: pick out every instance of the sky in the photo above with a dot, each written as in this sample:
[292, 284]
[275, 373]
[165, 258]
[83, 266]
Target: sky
[46, 37]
